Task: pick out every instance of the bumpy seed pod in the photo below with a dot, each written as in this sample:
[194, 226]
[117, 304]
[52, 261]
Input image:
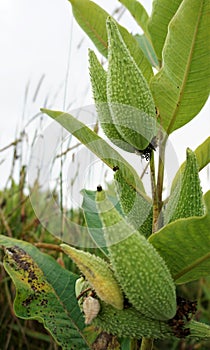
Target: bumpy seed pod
[131, 323]
[137, 209]
[186, 196]
[139, 268]
[91, 308]
[128, 94]
[98, 81]
[98, 274]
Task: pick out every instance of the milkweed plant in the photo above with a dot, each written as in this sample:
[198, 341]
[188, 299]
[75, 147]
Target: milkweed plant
[146, 246]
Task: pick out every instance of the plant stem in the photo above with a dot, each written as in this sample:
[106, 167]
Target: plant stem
[146, 344]
[49, 246]
[161, 171]
[154, 194]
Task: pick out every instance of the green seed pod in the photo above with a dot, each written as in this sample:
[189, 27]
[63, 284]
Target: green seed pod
[199, 330]
[98, 81]
[98, 274]
[130, 323]
[140, 270]
[186, 195]
[128, 94]
[136, 207]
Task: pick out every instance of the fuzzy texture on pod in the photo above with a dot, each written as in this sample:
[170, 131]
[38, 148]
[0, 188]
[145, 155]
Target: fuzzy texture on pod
[98, 77]
[186, 196]
[91, 308]
[98, 274]
[137, 209]
[130, 323]
[128, 94]
[140, 270]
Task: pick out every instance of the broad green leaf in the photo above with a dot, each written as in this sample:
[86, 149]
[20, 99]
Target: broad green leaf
[181, 88]
[148, 50]
[92, 19]
[185, 246]
[186, 197]
[138, 12]
[45, 292]
[202, 154]
[99, 147]
[162, 13]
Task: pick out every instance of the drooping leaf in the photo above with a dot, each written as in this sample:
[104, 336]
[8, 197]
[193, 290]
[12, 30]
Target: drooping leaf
[202, 154]
[181, 87]
[148, 50]
[45, 292]
[138, 12]
[185, 246]
[162, 13]
[99, 147]
[92, 19]
[186, 197]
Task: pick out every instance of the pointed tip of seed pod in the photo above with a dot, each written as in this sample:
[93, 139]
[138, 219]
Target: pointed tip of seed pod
[100, 195]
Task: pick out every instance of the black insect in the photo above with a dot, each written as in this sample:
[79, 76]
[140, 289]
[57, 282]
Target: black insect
[115, 168]
[99, 188]
[146, 153]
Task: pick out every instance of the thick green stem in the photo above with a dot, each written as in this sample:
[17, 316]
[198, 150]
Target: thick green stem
[146, 344]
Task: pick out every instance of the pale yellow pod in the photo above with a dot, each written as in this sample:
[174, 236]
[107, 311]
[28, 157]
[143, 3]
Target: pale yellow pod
[99, 274]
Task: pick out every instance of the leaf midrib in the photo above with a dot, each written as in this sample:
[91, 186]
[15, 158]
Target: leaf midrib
[184, 82]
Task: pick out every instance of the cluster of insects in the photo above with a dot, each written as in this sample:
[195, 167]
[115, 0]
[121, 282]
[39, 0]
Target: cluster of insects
[146, 153]
[185, 311]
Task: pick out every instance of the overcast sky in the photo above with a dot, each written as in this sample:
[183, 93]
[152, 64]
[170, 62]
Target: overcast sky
[40, 40]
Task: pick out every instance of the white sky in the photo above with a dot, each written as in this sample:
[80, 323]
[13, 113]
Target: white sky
[36, 38]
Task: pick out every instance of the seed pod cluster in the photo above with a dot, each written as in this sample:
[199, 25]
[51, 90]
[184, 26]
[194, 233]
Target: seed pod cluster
[128, 94]
[122, 96]
[98, 81]
[140, 270]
